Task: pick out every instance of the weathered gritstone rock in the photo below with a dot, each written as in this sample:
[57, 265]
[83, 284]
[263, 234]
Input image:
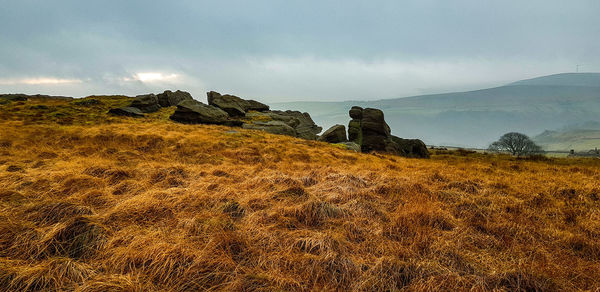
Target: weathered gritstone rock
[273, 127]
[147, 103]
[195, 112]
[254, 105]
[410, 147]
[305, 127]
[127, 111]
[335, 134]
[170, 98]
[233, 105]
[369, 130]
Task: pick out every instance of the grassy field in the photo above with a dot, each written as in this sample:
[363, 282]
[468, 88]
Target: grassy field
[90, 202]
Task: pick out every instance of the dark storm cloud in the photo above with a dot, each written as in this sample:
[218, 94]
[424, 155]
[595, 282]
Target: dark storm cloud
[291, 49]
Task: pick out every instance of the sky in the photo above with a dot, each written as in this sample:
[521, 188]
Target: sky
[289, 50]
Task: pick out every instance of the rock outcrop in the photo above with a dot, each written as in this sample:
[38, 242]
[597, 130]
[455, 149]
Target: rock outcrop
[147, 103]
[301, 122]
[233, 105]
[170, 98]
[254, 105]
[335, 134]
[127, 112]
[411, 147]
[195, 112]
[369, 130]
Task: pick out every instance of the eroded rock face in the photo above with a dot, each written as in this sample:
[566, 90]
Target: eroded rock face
[301, 122]
[195, 112]
[410, 147]
[127, 111]
[335, 134]
[233, 105]
[254, 105]
[369, 130]
[147, 103]
[170, 98]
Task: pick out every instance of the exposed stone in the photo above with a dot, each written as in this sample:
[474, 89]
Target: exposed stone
[233, 105]
[254, 105]
[335, 134]
[369, 130]
[170, 98]
[127, 111]
[410, 147]
[195, 112]
[147, 103]
[273, 127]
[304, 125]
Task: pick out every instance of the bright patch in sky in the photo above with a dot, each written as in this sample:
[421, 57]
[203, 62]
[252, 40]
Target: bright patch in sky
[154, 77]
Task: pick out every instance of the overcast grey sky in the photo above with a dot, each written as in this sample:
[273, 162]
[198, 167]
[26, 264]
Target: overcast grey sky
[291, 50]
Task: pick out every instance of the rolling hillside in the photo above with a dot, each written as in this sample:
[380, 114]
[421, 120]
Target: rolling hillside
[476, 118]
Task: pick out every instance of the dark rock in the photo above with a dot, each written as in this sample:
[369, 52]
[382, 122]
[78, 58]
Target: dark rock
[127, 111]
[301, 122]
[254, 105]
[233, 105]
[410, 147]
[147, 103]
[335, 134]
[195, 112]
[170, 98]
[273, 127]
[369, 130]
[356, 112]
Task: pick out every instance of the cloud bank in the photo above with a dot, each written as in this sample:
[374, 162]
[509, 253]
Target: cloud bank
[290, 50]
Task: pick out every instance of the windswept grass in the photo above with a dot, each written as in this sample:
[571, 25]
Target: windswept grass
[123, 204]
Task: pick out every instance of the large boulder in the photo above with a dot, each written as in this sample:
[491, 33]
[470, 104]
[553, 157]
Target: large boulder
[233, 105]
[170, 98]
[410, 147]
[147, 103]
[369, 130]
[254, 105]
[195, 112]
[335, 134]
[273, 127]
[301, 122]
[127, 111]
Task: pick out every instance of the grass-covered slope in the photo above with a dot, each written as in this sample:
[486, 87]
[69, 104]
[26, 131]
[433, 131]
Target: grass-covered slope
[129, 204]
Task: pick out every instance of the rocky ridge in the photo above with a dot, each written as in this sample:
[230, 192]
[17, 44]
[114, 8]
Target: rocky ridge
[367, 129]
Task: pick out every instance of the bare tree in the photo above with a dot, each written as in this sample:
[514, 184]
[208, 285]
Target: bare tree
[516, 144]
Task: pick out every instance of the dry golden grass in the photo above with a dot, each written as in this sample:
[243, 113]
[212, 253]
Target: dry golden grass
[122, 204]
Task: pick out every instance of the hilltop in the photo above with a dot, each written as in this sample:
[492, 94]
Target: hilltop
[95, 202]
[477, 118]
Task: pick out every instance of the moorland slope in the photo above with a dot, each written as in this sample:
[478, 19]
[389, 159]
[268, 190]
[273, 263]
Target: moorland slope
[92, 202]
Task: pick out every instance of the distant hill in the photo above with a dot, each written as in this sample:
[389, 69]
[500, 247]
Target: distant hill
[476, 118]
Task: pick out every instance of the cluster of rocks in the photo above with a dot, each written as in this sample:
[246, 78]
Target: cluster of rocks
[368, 132]
[249, 114]
[149, 103]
